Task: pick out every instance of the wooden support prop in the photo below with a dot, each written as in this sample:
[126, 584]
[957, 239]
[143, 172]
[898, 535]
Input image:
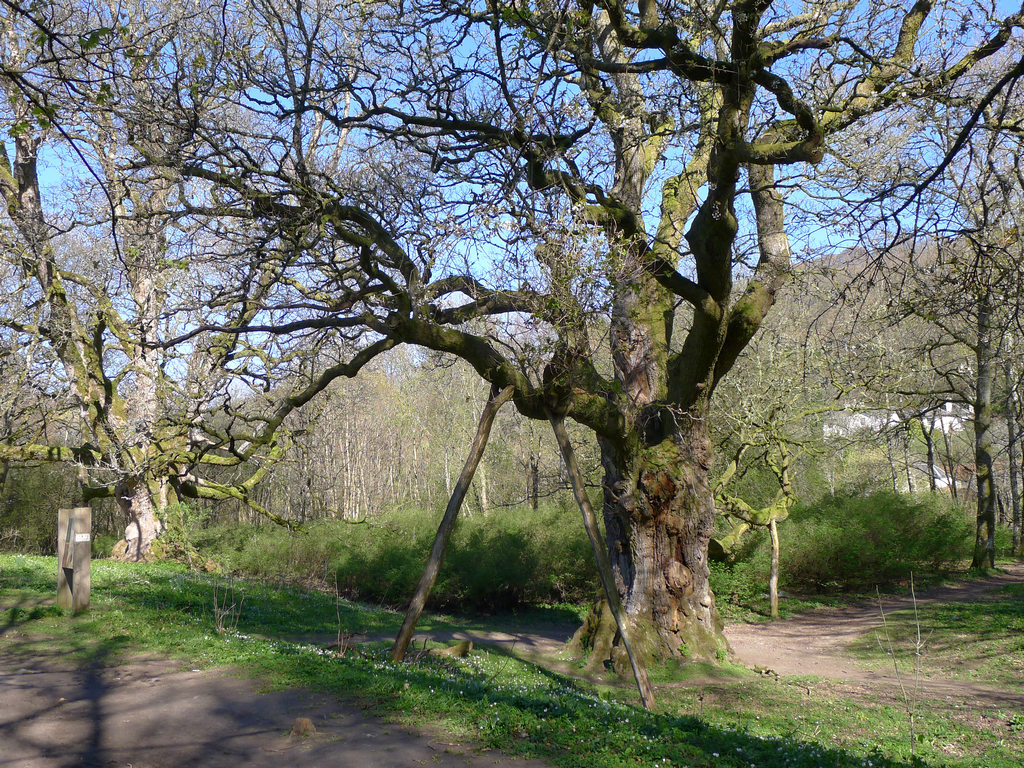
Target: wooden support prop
[495, 400]
[74, 555]
[604, 568]
[773, 572]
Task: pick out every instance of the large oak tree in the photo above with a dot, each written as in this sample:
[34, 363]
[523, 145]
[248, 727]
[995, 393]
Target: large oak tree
[539, 187]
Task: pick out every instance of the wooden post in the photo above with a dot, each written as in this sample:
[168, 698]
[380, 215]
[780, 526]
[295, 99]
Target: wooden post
[604, 568]
[65, 559]
[74, 553]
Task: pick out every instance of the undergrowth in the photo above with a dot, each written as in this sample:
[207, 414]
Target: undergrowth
[507, 558]
[843, 548]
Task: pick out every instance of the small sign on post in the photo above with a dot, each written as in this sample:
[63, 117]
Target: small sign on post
[74, 552]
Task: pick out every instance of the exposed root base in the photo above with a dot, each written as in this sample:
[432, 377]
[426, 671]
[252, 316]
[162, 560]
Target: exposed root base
[127, 551]
[597, 641]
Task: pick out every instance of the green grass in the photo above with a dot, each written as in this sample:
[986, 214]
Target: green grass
[491, 697]
[840, 716]
[981, 641]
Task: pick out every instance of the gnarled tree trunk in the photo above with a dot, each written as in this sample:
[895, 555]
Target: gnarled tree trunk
[659, 516]
[136, 501]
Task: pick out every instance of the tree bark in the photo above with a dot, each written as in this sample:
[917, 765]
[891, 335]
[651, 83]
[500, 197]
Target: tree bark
[984, 540]
[1017, 545]
[533, 484]
[929, 440]
[485, 505]
[659, 517]
[906, 457]
[951, 466]
[892, 463]
[144, 526]
[1012, 438]
[444, 531]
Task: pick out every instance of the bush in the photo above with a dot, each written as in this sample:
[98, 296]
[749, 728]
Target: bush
[29, 501]
[103, 544]
[854, 542]
[1003, 540]
[271, 553]
[741, 582]
[181, 523]
[494, 561]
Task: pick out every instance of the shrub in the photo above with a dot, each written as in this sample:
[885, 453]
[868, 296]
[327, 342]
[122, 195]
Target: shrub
[272, 553]
[739, 583]
[494, 562]
[853, 542]
[103, 544]
[181, 522]
[29, 500]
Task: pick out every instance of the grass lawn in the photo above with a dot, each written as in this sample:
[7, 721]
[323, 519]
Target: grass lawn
[981, 641]
[508, 704]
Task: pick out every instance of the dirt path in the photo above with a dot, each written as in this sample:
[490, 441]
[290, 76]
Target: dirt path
[815, 643]
[540, 643]
[151, 714]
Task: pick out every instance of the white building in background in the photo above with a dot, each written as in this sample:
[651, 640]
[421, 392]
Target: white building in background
[946, 420]
[943, 482]
[849, 422]
[949, 418]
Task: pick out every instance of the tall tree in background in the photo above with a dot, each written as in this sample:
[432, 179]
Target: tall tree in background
[965, 280]
[101, 345]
